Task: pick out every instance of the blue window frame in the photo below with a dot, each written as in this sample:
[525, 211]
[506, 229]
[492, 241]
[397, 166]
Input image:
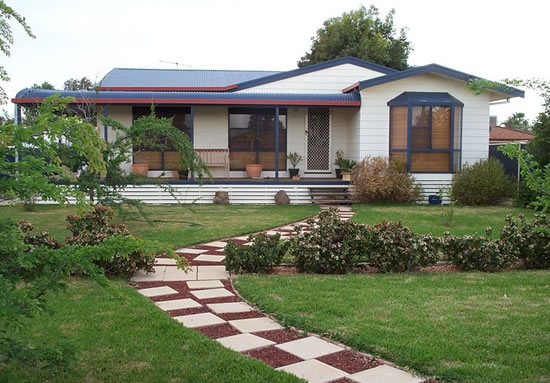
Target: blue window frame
[426, 131]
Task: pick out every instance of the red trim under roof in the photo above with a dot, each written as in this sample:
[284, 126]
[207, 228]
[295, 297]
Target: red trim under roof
[170, 88]
[195, 101]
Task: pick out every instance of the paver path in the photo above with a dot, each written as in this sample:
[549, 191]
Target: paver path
[204, 299]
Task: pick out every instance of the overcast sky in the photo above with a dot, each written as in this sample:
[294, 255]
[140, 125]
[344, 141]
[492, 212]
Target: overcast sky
[75, 38]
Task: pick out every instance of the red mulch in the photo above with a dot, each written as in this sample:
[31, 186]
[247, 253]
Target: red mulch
[343, 380]
[219, 300]
[180, 295]
[190, 311]
[178, 286]
[274, 356]
[448, 268]
[349, 361]
[280, 336]
[245, 315]
[218, 331]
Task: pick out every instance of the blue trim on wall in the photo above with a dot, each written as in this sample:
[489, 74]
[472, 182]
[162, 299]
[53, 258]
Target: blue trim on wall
[277, 143]
[434, 68]
[314, 68]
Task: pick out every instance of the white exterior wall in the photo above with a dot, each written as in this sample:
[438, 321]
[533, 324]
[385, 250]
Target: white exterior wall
[375, 120]
[123, 114]
[330, 80]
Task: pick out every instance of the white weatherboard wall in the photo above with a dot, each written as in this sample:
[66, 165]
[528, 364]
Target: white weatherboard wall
[375, 120]
[121, 113]
[329, 80]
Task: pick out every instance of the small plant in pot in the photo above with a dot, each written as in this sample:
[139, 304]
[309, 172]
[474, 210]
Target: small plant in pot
[346, 166]
[294, 159]
[183, 171]
[338, 162]
[253, 170]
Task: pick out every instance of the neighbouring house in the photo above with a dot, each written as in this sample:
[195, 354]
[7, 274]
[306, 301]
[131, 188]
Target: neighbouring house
[424, 116]
[500, 135]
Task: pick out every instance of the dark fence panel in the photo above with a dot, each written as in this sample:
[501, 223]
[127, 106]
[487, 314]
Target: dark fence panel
[510, 166]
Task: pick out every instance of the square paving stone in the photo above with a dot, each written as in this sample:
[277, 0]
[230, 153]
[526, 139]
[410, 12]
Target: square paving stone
[385, 374]
[157, 291]
[314, 371]
[212, 293]
[142, 276]
[310, 347]
[211, 272]
[212, 284]
[244, 342]
[215, 244]
[190, 250]
[234, 307]
[165, 261]
[242, 238]
[255, 324]
[199, 320]
[177, 304]
[209, 258]
[173, 274]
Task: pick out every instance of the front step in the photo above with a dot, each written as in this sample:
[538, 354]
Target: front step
[330, 196]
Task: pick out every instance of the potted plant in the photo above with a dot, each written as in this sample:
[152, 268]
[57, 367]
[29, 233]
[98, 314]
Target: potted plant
[141, 169]
[294, 159]
[338, 162]
[253, 170]
[183, 171]
[346, 166]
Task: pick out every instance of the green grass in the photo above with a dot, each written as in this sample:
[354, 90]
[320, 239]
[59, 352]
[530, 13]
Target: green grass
[429, 218]
[463, 327]
[179, 225]
[119, 336]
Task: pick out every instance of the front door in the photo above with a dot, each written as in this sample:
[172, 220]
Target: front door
[318, 140]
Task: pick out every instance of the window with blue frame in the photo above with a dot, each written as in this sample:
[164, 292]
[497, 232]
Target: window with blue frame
[252, 137]
[426, 132]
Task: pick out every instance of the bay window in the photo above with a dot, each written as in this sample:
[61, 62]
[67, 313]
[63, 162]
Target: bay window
[426, 132]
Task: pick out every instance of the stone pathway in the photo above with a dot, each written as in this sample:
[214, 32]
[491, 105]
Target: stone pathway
[205, 300]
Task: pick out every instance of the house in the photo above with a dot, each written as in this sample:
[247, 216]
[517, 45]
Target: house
[499, 135]
[424, 116]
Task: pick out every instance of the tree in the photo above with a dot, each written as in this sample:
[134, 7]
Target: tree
[517, 121]
[44, 85]
[75, 84]
[363, 34]
[6, 39]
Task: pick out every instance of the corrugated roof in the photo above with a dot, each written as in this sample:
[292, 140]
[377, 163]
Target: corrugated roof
[178, 78]
[501, 133]
[29, 96]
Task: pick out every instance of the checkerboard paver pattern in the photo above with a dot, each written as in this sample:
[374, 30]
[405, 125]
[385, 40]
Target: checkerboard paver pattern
[203, 298]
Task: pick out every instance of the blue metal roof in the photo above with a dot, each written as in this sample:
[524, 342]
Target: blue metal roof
[210, 98]
[174, 78]
[434, 68]
[424, 98]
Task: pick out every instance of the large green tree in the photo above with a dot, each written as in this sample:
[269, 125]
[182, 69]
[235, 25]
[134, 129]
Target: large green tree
[79, 84]
[517, 121]
[363, 34]
[6, 39]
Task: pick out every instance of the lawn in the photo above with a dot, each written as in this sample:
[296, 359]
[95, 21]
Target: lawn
[119, 336]
[462, 327]
[429, 218]
[176, 225]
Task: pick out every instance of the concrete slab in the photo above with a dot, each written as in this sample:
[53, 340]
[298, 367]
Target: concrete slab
[215, 244]
[212, 293]
[314, 371]
[209, 258]
[190, 250]
[142, 276]
[244, 342]
[199, 320]
[211, 272]
[157, 291]
[310, 347]
[177, 304]
[255, 324]
[212, 284]
[385, 374]
[233, 307]
[165, 261]
[173, 274]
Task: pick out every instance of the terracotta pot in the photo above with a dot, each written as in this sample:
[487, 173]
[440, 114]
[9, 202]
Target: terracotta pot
[140, 169]
[254, 170]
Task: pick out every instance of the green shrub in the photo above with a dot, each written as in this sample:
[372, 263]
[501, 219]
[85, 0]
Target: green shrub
[264, 253]
[378, 179]
[529, 240]
[332, 246]
[483, 183]
[395, 248]
[475, 252]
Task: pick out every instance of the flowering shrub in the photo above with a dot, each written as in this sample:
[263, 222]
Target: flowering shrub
[529, 240]
[332, 246]
[263, 254]
[37, 239]
[379, 179]
[395, 248]
[473, 252]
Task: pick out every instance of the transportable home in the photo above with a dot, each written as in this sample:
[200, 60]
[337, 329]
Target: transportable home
[424, 116]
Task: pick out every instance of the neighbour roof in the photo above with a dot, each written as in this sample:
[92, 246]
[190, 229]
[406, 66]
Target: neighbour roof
[31, 96]
[431, 68]
[126, 79]
[501, 133]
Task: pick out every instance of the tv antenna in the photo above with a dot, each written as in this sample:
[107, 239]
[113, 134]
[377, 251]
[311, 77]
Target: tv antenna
[177, 64]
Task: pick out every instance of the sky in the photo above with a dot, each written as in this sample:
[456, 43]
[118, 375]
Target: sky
[75, 38]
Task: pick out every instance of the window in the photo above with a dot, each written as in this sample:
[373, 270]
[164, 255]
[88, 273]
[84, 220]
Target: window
[167, 159]
[426, 132]
[252, 137]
